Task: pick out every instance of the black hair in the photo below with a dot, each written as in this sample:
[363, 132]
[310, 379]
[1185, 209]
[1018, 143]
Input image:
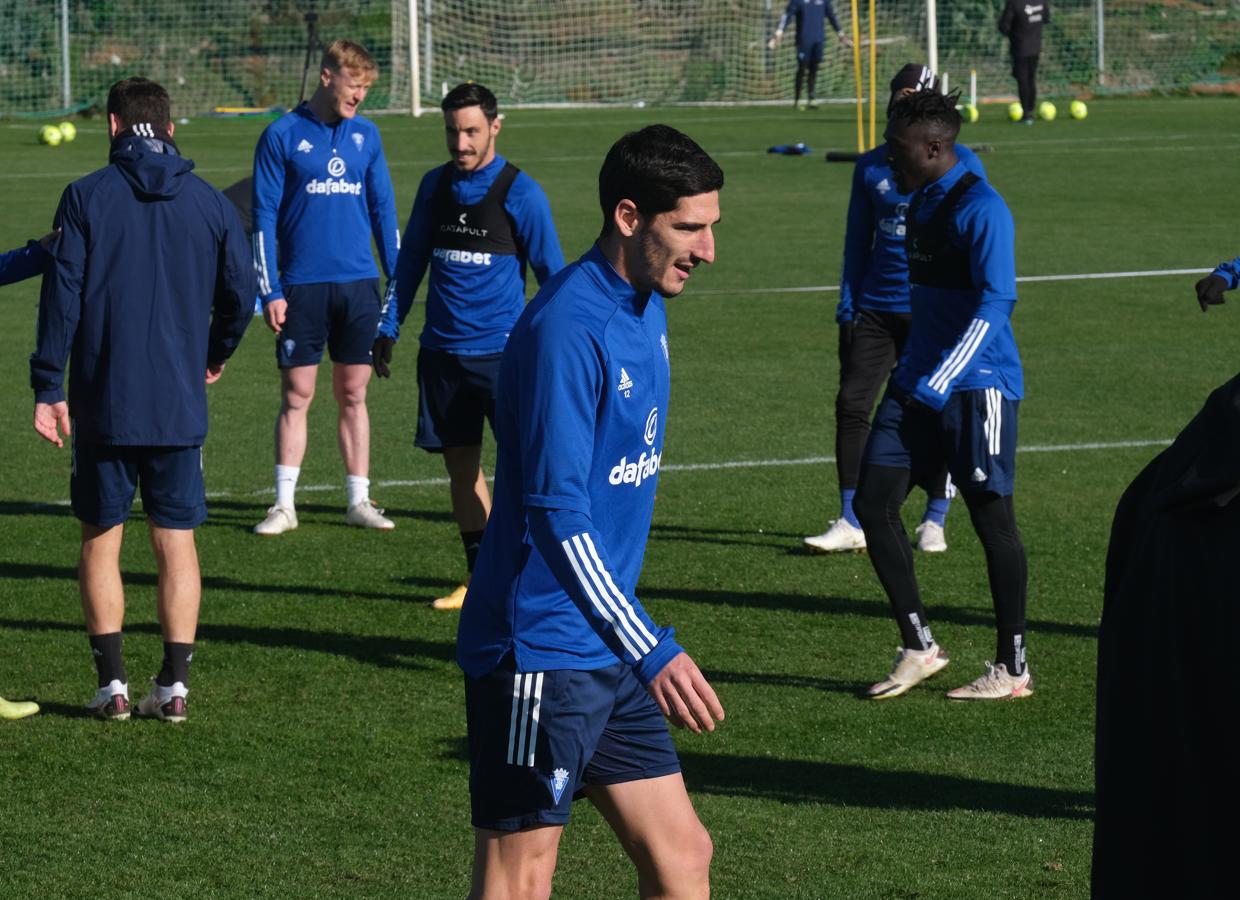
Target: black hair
[471, 94]
[937, 112]
[654, 168]
[137, 100]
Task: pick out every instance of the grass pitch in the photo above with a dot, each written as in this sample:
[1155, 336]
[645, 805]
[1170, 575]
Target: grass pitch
[324, 755]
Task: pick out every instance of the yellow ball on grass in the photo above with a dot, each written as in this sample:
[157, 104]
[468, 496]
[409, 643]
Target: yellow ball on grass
[1015, 112]
[1078, 109]
[68, 131]
[50, 135]
[1047, 111]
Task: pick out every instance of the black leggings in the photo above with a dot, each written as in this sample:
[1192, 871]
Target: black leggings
[804, 69]
[1025, 71]
[877, 504]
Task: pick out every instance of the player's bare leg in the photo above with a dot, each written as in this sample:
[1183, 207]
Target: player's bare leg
[514, 865]
[471, 506]
[180, 582]
[297, 392]
[659, 829]
[353, 431]
[99, 579]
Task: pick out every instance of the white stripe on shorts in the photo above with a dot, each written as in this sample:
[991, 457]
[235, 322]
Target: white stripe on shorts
[523, 721]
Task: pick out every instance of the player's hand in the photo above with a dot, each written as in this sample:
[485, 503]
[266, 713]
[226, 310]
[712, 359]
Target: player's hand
[1210, 291]
[214, 371]
[47, 416]
[913, 406]
[381, 355]
[274, 314]
[46, 240]
[685, 696]
[774, 41]
[844, 39]
[847, 329]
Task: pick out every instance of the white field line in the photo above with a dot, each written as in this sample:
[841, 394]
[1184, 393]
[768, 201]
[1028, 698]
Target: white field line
[673, 467]
[1023, 279]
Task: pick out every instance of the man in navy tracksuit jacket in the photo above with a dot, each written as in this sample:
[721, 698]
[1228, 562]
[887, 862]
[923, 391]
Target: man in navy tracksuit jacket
[150, 290]
[477, 222]
[811, 17]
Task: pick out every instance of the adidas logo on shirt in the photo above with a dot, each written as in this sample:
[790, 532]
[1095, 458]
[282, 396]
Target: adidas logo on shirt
[626, 383]
[305, 146]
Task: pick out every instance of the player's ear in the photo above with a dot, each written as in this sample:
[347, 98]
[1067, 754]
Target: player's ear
[172, 126]
[626, 218]
[325, 77]
[114, 126]
[496, 124]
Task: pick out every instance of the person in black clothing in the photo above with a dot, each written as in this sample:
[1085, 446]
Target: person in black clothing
[1022, 21]
[148, 291]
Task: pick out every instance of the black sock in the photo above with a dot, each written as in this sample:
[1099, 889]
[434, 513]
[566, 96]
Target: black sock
[176, 664]
[472, 541]
[812, 81]
[109, 659]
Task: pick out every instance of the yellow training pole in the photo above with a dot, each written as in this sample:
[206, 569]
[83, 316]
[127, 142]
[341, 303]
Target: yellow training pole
[856, 48]
[873, 68]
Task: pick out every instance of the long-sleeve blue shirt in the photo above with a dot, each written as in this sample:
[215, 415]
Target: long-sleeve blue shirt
[1229, 272]
[320, 193]
[22, 263]
[962, 339]
[579, 422]
[810, 16]
[471, 307]
[151, 280]
[875, 274]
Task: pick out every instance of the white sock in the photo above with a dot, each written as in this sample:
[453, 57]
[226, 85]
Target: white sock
[358, 487]
[286, 484]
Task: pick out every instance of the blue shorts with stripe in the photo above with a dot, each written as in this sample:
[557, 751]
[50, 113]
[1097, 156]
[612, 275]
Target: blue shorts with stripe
[974, 436]
[537, 739]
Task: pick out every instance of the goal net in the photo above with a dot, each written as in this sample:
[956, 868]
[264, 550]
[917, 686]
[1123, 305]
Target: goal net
[250, 53]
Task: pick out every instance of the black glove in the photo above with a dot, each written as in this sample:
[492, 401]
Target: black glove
[381, 355]
[1210, 291]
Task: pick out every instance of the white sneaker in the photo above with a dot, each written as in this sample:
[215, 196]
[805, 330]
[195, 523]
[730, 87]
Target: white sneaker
[367, 515]
[930, 537]
[279, 520]
[168, 704]
[841, 537]
[111, 702]
[911, 668]
[996, 684]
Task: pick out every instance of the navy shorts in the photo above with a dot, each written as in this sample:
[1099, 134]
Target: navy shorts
[455, 394]
[342, 317]
[810, 53]
[106, 477]
[974, 435]
[536, 739]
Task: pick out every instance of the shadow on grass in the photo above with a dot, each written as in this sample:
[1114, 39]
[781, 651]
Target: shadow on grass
[382, 651]
[223, 583]
[234, 511]
[848, 606]
[828, 685]
[726, 536]
[807, 781]
[20, 508]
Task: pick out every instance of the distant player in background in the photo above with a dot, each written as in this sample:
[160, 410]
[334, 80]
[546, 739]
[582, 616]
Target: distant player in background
[477, 221]
[567, 679]
[953, 397]
[150, 290]
[874, 317]
[1225, 277]
[810, 17]
[1022, 21]
[321, 191]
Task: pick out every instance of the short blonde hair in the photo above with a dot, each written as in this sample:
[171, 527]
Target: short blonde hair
[342, 54]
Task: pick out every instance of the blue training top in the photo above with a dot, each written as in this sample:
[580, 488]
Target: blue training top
[962, 339]
[320, 192]
[579, 424]
[472, 300]
[875, 272]
[1229, 272]
[810, 16]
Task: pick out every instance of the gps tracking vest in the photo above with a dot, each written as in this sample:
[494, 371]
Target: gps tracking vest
[462, 233]
[933, 261]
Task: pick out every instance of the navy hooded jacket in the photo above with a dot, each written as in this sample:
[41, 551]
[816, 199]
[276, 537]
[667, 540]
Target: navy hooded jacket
[151, 280]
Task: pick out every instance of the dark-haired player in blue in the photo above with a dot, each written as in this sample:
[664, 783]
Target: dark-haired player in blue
[567, 678]
[477, 222]
[810, 16]
[321, 191]
[873, 315]
[953, 397]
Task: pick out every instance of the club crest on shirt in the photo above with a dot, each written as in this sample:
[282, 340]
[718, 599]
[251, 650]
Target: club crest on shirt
[663, 344]
[559, 781]
[358, 140]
